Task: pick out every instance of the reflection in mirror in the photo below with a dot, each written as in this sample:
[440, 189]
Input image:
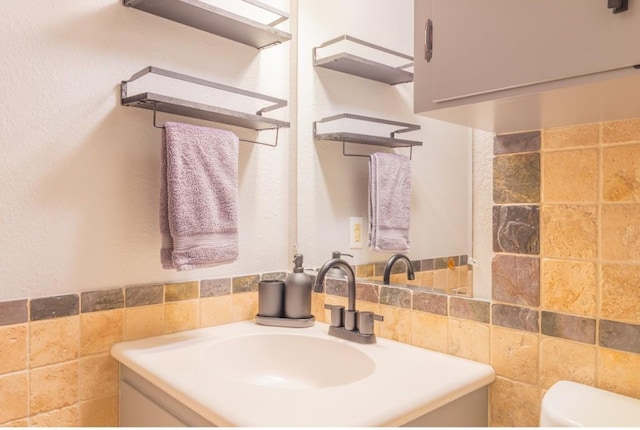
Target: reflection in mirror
[446, 275]
[332, 188]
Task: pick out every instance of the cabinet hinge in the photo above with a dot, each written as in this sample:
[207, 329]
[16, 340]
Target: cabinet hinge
[428, 40]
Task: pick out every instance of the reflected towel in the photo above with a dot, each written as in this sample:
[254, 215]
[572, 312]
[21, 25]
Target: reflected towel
[389, 202]
[198, 197]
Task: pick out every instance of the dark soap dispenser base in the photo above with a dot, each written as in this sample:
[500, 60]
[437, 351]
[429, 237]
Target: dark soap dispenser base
[286, 322]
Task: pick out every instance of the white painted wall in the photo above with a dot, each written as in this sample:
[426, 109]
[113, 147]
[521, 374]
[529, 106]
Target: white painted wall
[331, 187]
[79, 174]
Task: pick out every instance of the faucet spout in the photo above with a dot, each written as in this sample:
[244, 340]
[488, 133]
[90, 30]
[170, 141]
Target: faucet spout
[392, 260]
[351, 279]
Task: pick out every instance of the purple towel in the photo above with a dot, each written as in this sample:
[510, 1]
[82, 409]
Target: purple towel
[389, 202]
[198, 197]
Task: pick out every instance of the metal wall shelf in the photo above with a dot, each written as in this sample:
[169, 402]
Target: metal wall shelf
[177, 106]
[389, 142]
[359, 66]
[211, 19]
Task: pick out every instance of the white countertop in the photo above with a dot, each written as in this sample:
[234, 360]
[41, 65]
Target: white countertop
[407, 381]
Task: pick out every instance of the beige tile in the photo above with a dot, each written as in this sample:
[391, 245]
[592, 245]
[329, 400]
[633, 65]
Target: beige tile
[469, 339]
[621, 232]
[317, 306]
[145, 321]
[621, 131]
[441, 279]
[398, 278]
[618, 372]
[570, 176]
[571, 137]
[396, 324]
[102, 412]
[100, 330]
[430, 331]
[364, 270]
[417, 281]
[621, 173]
[453, 280]
[98, 376]
[13, 397]
[181, 291]
[53, 387]
[181, 316]
[65, 417]
[569, 231]
[428, 278]
[569, 286]
[514, 404]
[369, 307]
[566, 360]
[54, 341]
[215, 311]
[13, 344]
[244, 306]
[17, 423]
[620, 297]
[514, 354]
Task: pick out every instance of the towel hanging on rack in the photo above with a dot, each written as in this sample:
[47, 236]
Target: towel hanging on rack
[389, 202]
[198, 197]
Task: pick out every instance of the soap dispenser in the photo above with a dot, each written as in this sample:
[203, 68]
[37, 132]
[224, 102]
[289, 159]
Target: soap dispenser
[297, 292]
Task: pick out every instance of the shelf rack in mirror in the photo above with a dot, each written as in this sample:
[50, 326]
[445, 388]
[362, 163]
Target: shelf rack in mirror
[366, 139]
[172, 105]
[212, 19]
[365, 68]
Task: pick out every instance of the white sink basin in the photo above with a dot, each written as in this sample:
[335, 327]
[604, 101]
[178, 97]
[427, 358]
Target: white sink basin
[251, 375]
[287, 361]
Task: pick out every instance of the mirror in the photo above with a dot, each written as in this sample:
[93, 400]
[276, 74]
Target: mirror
[332, 187]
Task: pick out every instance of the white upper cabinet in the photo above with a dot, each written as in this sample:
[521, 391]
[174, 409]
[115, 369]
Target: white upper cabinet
[507, 65]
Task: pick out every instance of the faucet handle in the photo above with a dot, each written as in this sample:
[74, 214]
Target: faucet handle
[337, 315]
[365, 321]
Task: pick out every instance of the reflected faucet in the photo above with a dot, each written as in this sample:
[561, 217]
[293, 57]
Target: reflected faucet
[387, 269]
[347, 324]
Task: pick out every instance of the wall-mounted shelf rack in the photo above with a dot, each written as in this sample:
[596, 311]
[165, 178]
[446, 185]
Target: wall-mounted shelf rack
[365, 139]
[177, 106]
[211, 19]
[360, 66]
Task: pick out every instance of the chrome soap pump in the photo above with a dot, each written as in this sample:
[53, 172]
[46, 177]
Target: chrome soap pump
[297, 291]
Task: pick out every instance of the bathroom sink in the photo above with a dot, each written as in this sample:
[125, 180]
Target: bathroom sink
[287, 361]
[250, 375]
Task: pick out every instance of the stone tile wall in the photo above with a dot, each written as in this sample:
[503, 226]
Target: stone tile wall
[565, 296]
[55, 366]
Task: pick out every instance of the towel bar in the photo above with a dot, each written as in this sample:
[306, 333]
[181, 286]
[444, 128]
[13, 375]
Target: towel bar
[172, 105]
[367, 155]
[155, 124]
[365, 139]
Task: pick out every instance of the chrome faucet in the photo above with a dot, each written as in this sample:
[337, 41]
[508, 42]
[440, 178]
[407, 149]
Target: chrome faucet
[387, 269]
[348, 324]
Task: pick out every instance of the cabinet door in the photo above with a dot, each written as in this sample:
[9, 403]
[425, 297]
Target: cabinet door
[481, 46]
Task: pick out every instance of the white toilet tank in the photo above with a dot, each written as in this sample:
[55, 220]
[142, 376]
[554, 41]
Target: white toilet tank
[569, 404]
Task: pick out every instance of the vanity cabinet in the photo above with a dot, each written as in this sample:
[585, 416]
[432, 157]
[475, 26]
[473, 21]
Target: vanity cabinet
[487, 63]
